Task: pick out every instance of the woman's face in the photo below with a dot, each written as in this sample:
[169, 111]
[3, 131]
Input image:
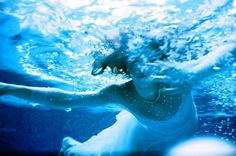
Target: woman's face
[137, 70]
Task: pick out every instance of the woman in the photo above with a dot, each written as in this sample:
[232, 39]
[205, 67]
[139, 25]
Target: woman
[157, 107]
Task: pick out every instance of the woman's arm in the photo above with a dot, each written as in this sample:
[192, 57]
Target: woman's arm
[191, 72]
[63, 99]
[213, 61]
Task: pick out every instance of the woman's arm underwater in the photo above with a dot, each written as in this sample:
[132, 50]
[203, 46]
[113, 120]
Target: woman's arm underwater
[213, 61]
[63, 99]
[191, 72]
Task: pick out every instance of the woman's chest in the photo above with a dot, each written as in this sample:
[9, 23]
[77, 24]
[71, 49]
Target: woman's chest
[162, 108]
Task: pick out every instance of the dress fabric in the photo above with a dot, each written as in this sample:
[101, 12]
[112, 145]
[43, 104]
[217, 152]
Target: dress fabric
[130, 135]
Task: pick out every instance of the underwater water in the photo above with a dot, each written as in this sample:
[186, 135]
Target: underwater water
[52, 43]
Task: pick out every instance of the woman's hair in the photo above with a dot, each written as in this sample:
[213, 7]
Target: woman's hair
[109, 62]
[138, 48]
[127, 50]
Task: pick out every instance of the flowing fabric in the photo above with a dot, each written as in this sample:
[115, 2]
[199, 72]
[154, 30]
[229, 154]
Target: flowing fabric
[130, 135]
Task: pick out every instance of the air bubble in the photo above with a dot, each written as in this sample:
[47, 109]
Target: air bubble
[68, 109]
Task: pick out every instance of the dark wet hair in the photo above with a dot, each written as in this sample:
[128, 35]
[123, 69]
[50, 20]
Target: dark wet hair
[116, 67]
[117, 62]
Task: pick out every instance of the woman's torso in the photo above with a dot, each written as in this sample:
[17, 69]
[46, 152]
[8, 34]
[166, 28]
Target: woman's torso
[162, 108]
[162, 121]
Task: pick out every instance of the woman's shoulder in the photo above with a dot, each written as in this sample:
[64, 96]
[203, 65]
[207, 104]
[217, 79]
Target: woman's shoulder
[124, 85]
[118, 88]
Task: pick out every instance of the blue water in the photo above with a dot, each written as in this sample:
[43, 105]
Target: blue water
[51, 43]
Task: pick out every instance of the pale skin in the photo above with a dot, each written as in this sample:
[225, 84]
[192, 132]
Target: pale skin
[111, 95]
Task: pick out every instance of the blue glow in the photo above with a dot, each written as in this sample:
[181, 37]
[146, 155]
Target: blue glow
[52, 43]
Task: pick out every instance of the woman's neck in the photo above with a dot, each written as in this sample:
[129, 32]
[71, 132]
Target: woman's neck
[145, 88]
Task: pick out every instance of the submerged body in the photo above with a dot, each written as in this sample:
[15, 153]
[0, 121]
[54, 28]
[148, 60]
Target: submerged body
[157, 110]
[137, 130]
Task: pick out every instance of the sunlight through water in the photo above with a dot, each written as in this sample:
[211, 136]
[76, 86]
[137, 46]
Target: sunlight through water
[60, 38]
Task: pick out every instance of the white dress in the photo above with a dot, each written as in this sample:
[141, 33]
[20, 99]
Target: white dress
[130, 135]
